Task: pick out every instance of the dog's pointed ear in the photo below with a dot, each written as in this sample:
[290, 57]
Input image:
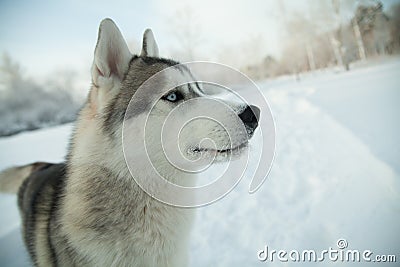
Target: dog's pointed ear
[149, 46]
[111, 56]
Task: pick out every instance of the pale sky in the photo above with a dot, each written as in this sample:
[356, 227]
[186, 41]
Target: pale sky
[46, 36]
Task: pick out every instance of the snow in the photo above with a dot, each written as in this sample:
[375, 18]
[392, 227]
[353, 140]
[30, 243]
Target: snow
[335, 175]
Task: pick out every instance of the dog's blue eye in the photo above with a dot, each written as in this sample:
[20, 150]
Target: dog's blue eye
[173, 96]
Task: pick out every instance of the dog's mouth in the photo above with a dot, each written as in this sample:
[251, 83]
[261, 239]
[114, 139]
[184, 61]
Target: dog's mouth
[225, 152]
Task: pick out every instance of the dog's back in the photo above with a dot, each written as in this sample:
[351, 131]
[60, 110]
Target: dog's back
[39, 186]
[40, 194]
[38, 199]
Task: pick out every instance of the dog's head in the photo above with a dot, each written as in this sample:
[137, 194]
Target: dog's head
[117, 76]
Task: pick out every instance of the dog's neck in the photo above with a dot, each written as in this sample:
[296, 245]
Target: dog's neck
[100, 191]
[103, 202]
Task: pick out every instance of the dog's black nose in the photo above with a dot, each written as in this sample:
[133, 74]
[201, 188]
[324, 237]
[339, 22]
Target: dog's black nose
[250, 116]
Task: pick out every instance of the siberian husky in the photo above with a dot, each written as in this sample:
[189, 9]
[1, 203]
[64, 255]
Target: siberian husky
[89, 211]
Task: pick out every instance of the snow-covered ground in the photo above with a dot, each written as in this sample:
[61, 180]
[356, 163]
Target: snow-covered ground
[335, 175]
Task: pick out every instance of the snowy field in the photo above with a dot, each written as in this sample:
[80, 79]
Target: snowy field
[335, 175]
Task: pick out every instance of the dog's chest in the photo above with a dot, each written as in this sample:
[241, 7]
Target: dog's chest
[157, 239]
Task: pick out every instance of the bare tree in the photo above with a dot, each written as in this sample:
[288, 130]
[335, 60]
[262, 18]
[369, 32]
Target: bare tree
[27, 105]
[394, 14]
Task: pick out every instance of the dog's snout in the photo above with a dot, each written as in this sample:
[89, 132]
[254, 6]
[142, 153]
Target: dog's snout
[250, 116]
